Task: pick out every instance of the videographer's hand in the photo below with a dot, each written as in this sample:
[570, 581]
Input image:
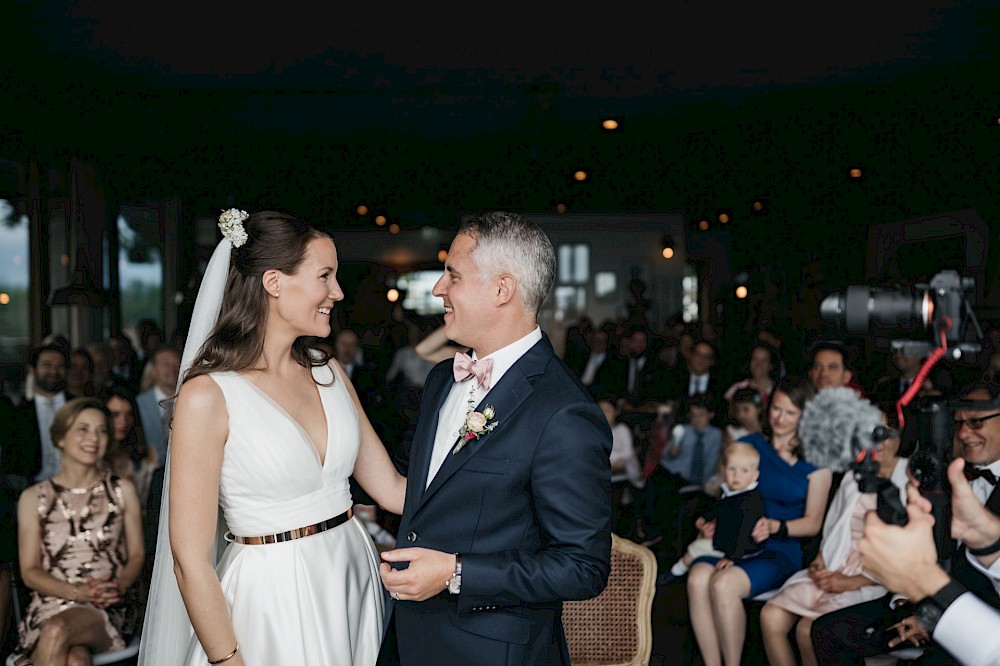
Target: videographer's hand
[971, 522]
[904, 559]
[909, 630]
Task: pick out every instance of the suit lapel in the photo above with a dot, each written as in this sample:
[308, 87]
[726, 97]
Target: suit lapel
[425, 434]
[506, 398]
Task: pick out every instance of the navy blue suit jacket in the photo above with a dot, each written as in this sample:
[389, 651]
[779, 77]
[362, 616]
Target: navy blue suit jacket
[528, 506]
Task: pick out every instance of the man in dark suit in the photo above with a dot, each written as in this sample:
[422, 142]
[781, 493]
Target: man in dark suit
[507, 510]
[31, 454]
[697, 378]
[632, 373]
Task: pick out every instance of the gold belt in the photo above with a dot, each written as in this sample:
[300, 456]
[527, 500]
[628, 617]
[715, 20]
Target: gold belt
[297, 533]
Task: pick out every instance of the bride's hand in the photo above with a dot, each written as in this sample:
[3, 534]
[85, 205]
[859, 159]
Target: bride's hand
[428, 573]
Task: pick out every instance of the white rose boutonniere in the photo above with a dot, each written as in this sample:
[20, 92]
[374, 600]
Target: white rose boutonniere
[476, 424]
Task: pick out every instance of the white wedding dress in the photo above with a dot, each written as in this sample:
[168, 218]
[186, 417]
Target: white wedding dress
[316, 600]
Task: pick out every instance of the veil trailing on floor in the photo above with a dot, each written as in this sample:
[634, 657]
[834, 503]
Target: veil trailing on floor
[167, 631]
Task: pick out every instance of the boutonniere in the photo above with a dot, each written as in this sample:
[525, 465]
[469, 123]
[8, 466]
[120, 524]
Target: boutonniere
[476, 425]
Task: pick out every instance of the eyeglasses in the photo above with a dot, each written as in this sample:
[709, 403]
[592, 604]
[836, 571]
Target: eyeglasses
[975, 424]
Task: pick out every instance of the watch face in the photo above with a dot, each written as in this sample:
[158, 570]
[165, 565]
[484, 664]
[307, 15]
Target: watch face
[928, 615]
[455, 584]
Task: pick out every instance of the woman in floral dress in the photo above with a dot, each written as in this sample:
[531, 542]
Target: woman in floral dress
[80, 547]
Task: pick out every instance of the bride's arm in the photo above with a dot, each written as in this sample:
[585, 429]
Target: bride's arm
[373, 469]
[200, 430]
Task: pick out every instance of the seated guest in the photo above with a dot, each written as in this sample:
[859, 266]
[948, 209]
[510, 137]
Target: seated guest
[697, 377]
[735, 515]
[631, 374]
[597, 354]
[80, 373]
[154, 403]
[79, 547]
[626, 471]
[762, 368]
[747, 407]
[835, 578]
[686, 456]
[795, 494]
[129, 456]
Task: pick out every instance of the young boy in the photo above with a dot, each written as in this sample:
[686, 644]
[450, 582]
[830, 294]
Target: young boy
[736, 514]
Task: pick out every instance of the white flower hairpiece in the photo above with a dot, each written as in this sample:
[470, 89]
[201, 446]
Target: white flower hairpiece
[231, 224]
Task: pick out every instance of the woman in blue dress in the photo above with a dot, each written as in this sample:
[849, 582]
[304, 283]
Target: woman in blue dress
[795, 495]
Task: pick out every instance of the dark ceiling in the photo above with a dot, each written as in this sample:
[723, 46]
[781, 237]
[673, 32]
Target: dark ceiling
[424, 112]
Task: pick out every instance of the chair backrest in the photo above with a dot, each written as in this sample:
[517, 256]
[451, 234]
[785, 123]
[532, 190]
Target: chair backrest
[615, 627]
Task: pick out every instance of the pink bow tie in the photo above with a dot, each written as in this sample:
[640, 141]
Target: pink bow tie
[465, 368]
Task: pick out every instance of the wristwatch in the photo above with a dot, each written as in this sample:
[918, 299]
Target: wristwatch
[455, 582]
[930, 609]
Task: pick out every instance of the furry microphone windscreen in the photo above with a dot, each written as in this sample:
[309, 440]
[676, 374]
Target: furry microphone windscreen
[835, 426]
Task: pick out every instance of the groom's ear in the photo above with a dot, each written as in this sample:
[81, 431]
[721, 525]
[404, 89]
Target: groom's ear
[506, 286]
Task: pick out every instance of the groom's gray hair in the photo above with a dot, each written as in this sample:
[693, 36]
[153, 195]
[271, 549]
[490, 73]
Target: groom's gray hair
[511, 243]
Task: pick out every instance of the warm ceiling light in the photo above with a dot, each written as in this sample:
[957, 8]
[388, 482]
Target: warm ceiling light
[723, 218]
[668, 252]
[758, 206]
[610, 124]
[380, 220]
[4, 299]
[580, 176]
[855, 173]
[741, 292]
[393, 228]
[560, 208]
[703, 225]
[392, 295]
[362, 210]
[442, 255]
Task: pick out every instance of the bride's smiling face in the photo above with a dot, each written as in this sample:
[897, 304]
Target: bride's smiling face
[305, 300]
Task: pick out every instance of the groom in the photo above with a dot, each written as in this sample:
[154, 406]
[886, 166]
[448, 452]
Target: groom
[508, 500]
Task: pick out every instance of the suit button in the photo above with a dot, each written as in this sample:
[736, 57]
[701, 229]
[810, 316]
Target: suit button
[411, 537]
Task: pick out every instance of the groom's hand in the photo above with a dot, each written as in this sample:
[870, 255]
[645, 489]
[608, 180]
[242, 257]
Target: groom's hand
[428, 573]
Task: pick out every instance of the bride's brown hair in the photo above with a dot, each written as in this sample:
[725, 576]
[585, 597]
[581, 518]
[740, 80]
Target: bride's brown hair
[276, 241]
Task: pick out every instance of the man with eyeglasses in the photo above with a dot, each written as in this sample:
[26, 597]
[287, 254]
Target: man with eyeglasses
[847, 636]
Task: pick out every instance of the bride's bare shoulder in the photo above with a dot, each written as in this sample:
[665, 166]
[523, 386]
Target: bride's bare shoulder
[201, 390]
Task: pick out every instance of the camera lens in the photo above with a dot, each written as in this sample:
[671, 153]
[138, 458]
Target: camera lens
[861, 306]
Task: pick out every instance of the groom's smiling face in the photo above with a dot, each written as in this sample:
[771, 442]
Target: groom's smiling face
[465, 293]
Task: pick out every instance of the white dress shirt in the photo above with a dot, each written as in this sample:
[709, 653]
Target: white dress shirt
[697, 384]
[45, 410]
[970, 630]
[452, 413]
[590, 371]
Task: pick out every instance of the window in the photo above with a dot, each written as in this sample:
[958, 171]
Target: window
[14, 298]
[689, 311]
[140, 266]
[417, 287]
[571, 288]
[574, 263]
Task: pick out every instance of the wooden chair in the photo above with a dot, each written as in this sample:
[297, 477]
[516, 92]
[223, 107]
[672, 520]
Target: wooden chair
[615, 627]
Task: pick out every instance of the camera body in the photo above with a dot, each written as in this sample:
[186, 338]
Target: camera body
[929, 320]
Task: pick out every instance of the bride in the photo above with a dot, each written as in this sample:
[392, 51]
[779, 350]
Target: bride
[269, 430]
